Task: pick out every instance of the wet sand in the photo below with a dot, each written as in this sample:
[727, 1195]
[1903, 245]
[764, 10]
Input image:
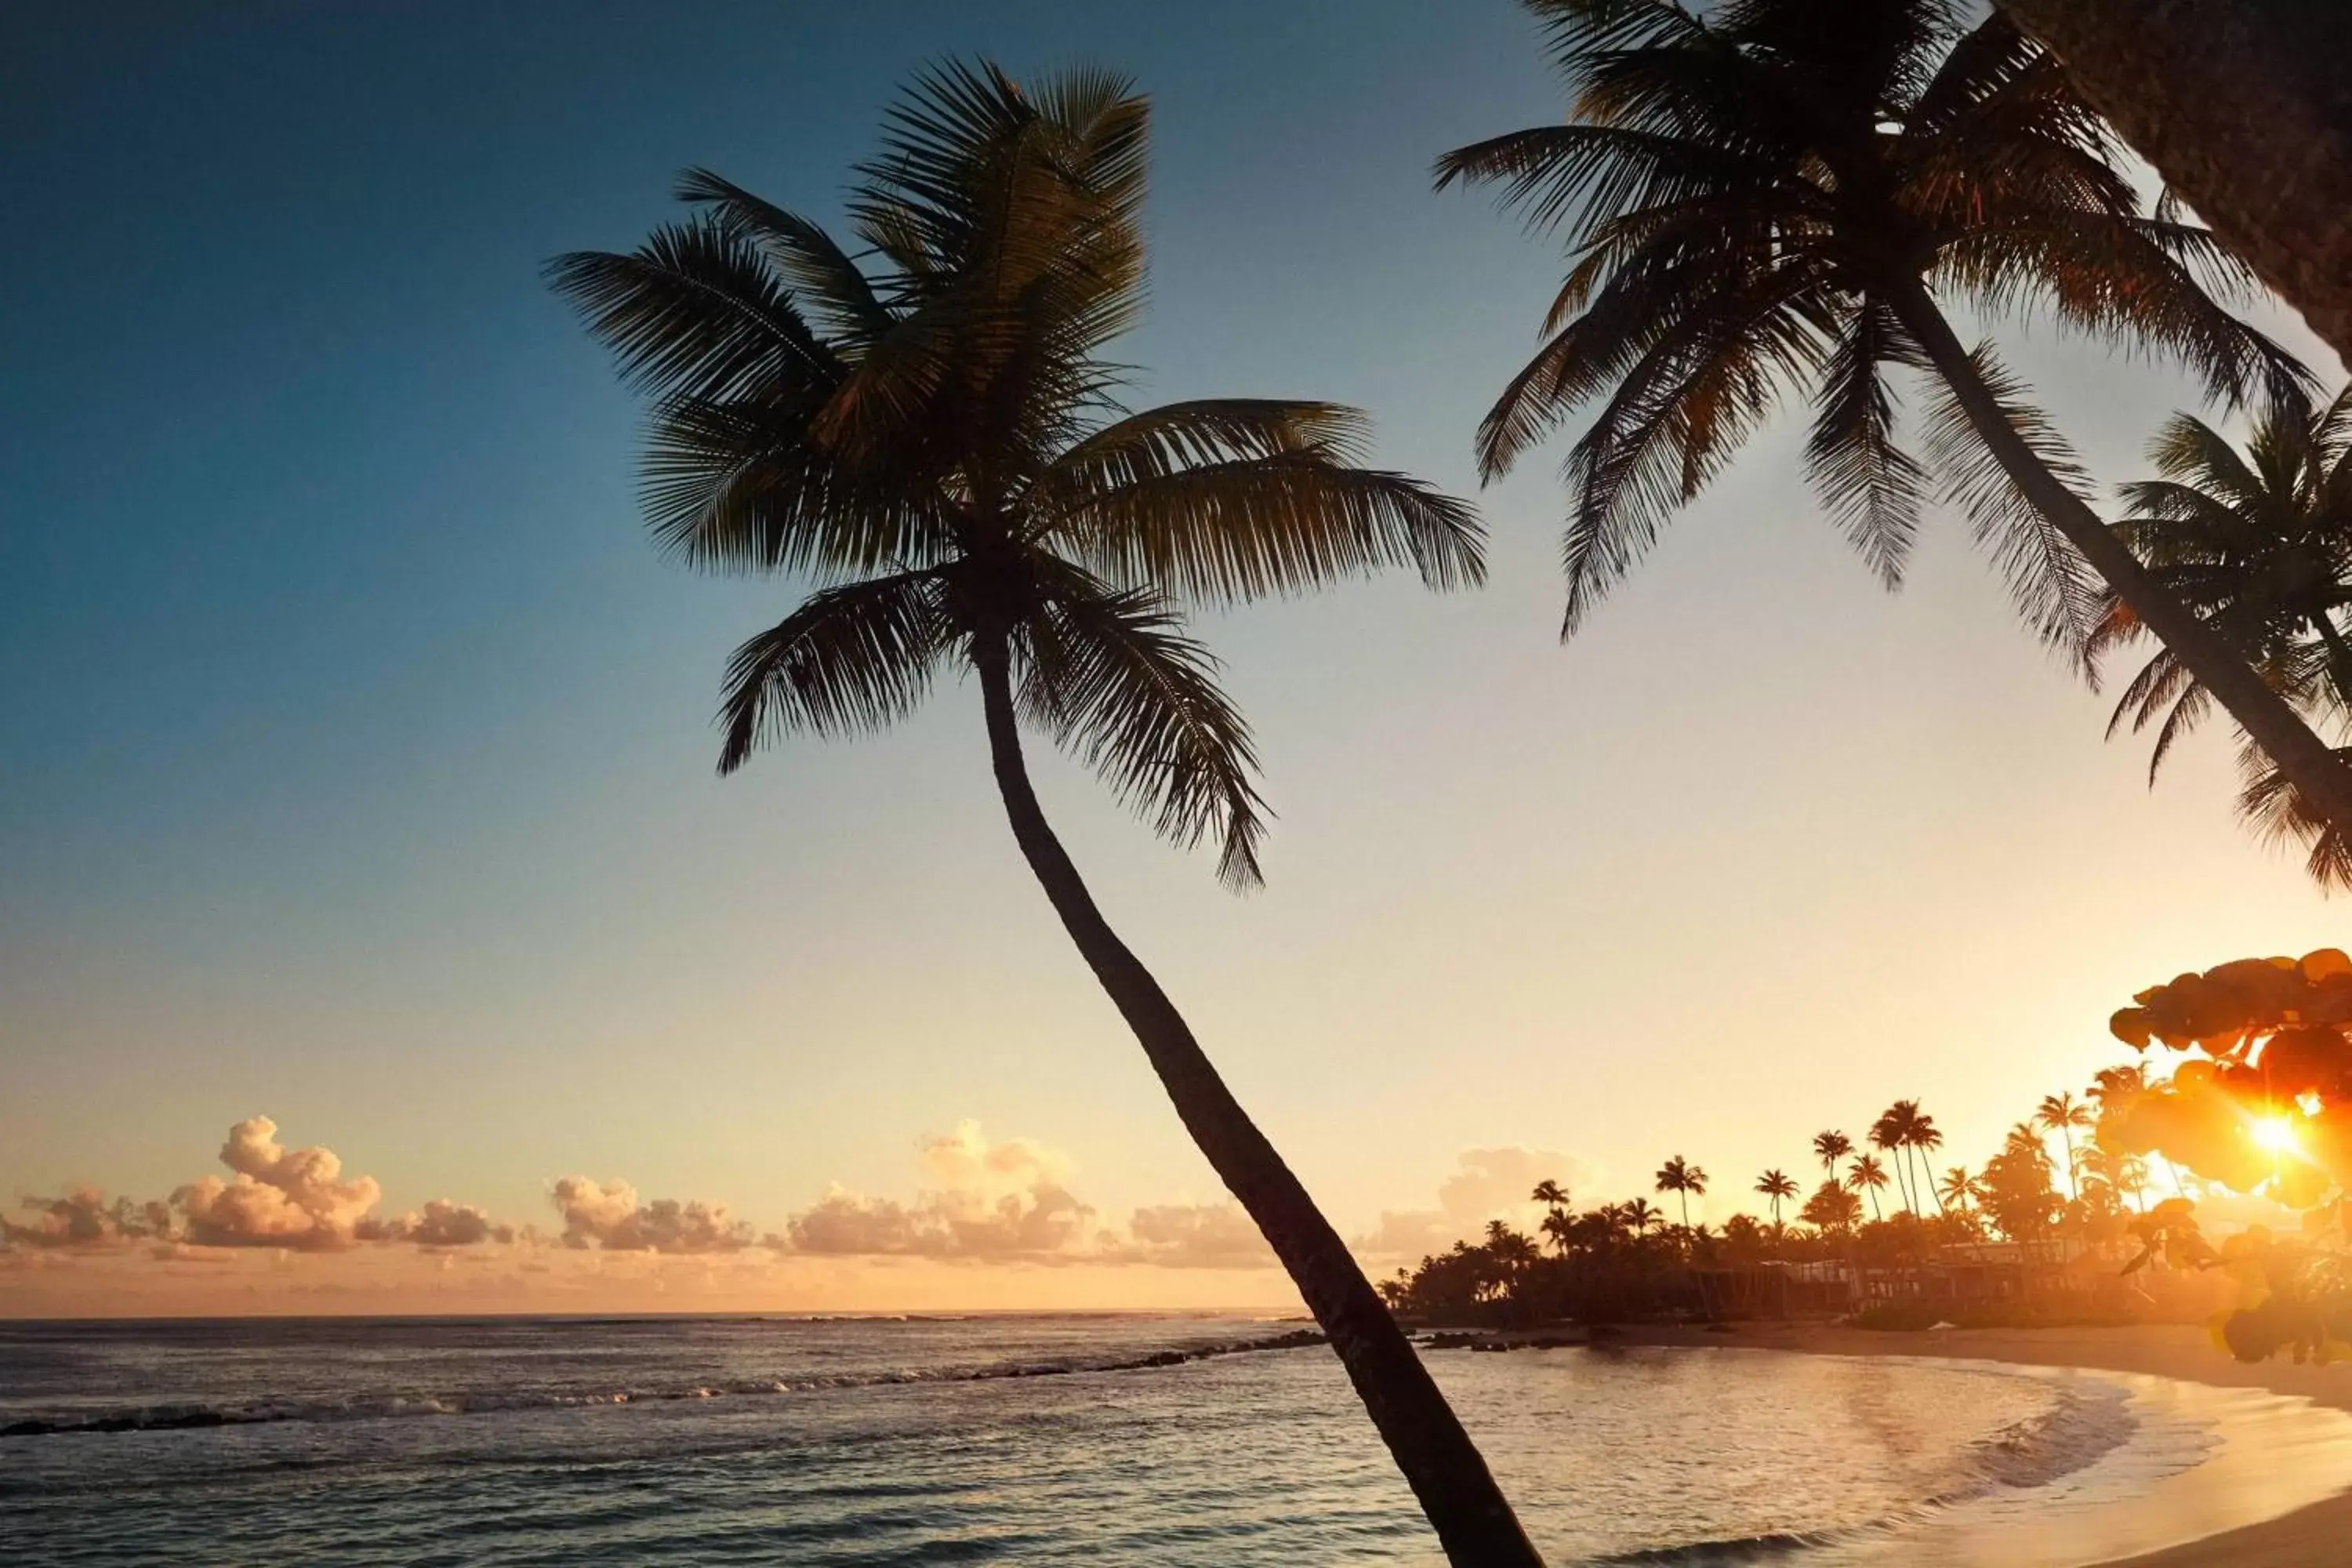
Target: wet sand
[2319, 1536]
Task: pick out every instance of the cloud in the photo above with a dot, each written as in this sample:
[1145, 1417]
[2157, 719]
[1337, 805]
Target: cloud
[1000, 1202]
[277, 1197]
[1486, 1184]
[274, 1196]
[609, 1216]
[83, 1219]
[440, 1223]
[1198, 1235]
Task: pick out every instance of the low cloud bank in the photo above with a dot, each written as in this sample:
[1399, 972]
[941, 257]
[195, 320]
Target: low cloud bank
[980, 1201]
[292, 1199]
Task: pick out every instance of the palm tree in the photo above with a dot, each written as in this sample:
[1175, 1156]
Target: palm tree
[2062, 1113]
[1831, 1149]
[1560, 1228]
[1957, 1188]
[1682, 1179]
[1892, 1133]
[1770, 199]
[2242, 110]
[1923, 1140]
[931, 435]
[2260, 543]
[1869, 1176]
[1779, 1187]
[1637, 1216]
[1551, 1194]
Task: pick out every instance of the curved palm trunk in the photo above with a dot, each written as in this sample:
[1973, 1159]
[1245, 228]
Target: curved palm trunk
[2245, 108]
[1447, 1474]
[2314, 769]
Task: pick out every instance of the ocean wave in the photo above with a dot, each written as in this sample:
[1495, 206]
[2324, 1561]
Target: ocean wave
[2088, 1421]
[187, 1417]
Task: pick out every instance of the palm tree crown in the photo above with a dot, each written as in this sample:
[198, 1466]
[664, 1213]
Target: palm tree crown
[1830, 1148]
[2260, 543]
[934, 440]
[1778, 1186]
[1749, 196]
[1777, 199]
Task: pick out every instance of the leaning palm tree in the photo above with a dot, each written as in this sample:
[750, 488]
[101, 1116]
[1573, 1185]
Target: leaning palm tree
[930, 434]
[1779, 1187]
[1779, 197]
[1831, 1149]
[1682, 1178]
[2062, 1113]
[1868, 1175]
[2260, 543]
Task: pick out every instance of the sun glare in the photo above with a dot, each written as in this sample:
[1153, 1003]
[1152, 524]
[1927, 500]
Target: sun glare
[2275, 1134]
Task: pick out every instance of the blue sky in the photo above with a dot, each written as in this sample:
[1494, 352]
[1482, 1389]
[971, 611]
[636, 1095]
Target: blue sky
[355, 745]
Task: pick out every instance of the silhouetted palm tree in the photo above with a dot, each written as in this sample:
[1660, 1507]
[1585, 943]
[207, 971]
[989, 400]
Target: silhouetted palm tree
[930, 434]
[1831, 1149]
[2062, 1113]
[1868, 1176]
[1638, 1215]
[1891, 1133]
[1957, 1188]
[1779, 1187]
[1923, 1140]
[1683, 1179]
[2260, 543]
[1766, 199]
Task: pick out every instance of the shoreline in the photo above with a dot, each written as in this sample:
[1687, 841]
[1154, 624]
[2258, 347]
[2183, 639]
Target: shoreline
[2307, 1537]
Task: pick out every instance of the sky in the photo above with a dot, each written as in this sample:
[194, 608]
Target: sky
[356, 784]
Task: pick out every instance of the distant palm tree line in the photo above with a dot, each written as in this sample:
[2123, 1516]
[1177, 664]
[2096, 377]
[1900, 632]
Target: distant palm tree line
[1620, 1258]
[923, 429]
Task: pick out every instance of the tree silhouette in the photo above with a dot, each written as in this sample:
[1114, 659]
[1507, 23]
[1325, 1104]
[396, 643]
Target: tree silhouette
[928, 432]
[1870, 1177]
[2260, 543]
[1682, 1179]
[1768, 200]
[1777, 1187]
[2062, 1113]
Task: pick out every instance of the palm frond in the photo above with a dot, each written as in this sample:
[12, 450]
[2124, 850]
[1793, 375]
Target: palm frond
[1871, 487]
[1111, 676]
[1252, 528]
[2281, 816]
[1674, 420]
[811, 265]
[851, 659]
[741, 486]
[694, 312]
[2051, 585]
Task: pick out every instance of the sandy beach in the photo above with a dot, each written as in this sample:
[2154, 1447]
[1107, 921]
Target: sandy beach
[2307, 1538]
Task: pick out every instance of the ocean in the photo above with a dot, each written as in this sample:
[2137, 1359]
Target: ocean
[1092, 1438]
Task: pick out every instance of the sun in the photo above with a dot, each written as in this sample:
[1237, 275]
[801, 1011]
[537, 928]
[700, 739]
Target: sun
[2275, 1134]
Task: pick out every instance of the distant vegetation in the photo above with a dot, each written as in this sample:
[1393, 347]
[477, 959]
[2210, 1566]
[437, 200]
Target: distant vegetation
[2099, 1186]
